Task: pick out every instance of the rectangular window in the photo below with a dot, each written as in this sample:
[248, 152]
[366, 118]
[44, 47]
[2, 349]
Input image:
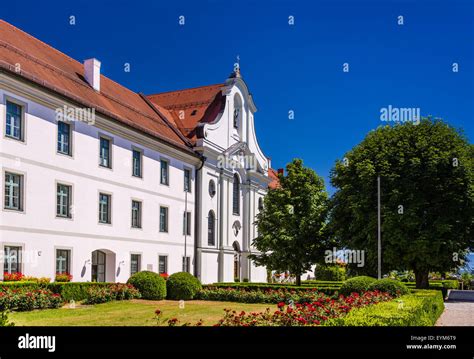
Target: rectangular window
[136, 214]
[13, 191]
[186, 264]
[163, 219]
[187, 223]
[63, 261]
[137, 163]
[63, 200]
[12, 260]
[187, 180]
[164, 175]
[104, 208]
[64, 138]
[162, 264]
[14, 121]
[104, 154]
[135, 263]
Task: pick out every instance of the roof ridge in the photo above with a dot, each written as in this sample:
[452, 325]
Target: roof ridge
[69, 58]
[64, 73]
[186, 89]
[83, 102]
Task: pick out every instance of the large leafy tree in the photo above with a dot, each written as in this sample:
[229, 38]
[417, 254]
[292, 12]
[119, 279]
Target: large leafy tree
[427, 198]
[291, 226]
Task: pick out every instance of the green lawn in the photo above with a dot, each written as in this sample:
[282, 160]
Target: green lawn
[131, 313]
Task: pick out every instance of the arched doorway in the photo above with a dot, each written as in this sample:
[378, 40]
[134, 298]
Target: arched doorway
[236, 247]
[103, 266]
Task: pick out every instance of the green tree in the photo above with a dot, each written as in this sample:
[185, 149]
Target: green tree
[427, 200]
[291, 226]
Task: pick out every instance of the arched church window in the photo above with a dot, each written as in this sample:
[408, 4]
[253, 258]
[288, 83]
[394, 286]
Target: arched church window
[211, 225]
[236, 195]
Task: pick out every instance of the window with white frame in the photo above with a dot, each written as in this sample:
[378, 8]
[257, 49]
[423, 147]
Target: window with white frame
[164, 172]
[137, 163]
[63, 200]
[186, 264]
[187, 223]
[162, 264]
[12, 259]
[14, 121]
[136, 214]
[104, 208]
[163, 219]
[63, 261]
[13, 191]
[187, 180]
[135, 263]
[105, 152]
[64, 138]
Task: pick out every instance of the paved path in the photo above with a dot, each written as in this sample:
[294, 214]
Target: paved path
[457, 313]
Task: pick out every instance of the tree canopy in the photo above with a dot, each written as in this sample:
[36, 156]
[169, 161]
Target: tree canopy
[292, 223]
[427, 198]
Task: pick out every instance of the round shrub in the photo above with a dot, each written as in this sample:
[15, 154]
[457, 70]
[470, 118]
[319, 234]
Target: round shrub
[356, 285]
[330, 272]
[393, 287]
[182, 286]
[149, 284]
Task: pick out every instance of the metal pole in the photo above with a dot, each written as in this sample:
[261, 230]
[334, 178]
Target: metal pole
[379, 235]
[185, 230]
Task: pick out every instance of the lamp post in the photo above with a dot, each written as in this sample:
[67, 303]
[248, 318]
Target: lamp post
[379, 233]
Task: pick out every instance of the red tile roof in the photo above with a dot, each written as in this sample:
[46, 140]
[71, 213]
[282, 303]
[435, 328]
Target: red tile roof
[192, 106]
[51, 68]
[273, 175]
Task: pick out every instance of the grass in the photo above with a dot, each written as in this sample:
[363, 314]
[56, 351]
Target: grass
[131, 313]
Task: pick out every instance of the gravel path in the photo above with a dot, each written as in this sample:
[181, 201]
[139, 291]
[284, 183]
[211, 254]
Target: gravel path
[457, 313]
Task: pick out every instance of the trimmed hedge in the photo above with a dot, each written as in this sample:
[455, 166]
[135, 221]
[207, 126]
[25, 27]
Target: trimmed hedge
[328, 272]
[272, 295]
[67, 290]
[419, 308]
[270, 286]
[391, 286]
[150, 285]
[182, 286]
[356, 285]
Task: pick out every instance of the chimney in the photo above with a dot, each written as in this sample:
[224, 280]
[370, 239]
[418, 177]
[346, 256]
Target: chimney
[92, 73]
[281, 171]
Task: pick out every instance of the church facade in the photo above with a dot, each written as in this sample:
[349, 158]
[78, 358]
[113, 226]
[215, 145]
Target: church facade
[100, 182]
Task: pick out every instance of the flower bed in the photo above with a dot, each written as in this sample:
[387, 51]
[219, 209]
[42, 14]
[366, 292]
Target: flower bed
[317, 312]
[24, 299]
[419, 308]
[118, 291]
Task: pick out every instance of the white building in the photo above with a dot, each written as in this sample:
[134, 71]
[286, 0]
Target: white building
[100, 182]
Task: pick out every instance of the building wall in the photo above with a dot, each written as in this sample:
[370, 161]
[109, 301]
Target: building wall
[39, 231]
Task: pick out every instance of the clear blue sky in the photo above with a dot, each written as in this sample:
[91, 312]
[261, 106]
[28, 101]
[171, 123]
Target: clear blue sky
[286, 67]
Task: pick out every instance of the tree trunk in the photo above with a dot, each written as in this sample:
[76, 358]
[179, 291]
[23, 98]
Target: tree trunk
[421, 278]
[298, 279]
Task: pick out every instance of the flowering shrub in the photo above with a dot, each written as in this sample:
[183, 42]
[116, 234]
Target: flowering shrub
[42, 280]
[306, 314]
[173, 322]
[63, 277]
[164, 275]
[12, 277]
[118, 291]
[24, 299]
